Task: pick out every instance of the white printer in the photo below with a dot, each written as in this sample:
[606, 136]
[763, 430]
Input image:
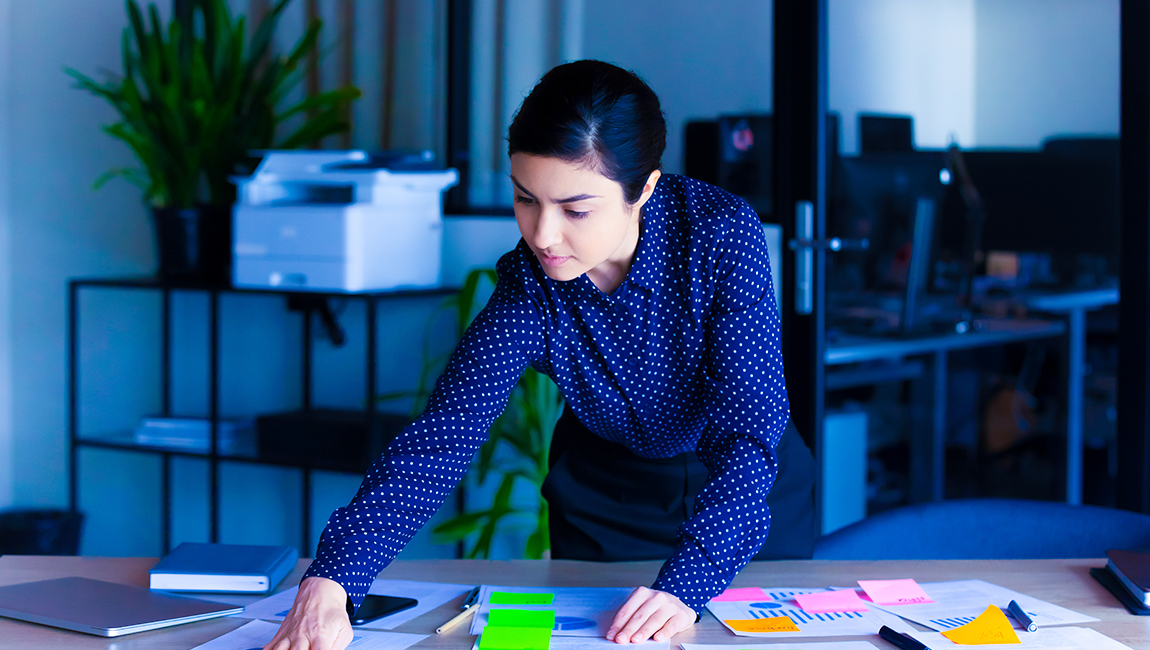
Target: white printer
[339, 221]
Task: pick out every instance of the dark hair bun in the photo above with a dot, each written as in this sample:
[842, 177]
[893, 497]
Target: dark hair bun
[594, 112]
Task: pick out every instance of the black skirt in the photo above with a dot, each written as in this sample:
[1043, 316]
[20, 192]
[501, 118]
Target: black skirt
[607, 504]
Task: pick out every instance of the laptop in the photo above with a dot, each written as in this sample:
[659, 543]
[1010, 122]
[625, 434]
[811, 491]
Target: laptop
[103, 608]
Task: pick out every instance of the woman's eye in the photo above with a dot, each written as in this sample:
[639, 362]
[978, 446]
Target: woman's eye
[524, 200]
[574, 214]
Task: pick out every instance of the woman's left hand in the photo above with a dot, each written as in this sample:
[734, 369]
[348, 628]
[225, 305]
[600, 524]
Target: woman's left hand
[650, 614]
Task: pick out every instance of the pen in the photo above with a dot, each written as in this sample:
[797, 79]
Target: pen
[1021, 617]
[900, 640]
[468, 608]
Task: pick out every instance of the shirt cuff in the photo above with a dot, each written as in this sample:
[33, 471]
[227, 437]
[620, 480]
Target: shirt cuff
[354, 577]
[691, 577]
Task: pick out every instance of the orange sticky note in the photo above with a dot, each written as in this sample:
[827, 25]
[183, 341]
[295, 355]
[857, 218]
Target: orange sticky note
[772, 624]
[991, 627]
[835, 600]
[894, 592]
[745, 593]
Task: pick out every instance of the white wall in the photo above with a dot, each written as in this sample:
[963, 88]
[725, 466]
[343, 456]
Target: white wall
[58, 227]
[911, 57]
[1045, 67]
[989, 73]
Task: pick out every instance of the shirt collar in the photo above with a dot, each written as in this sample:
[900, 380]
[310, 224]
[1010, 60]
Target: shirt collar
[650, 253]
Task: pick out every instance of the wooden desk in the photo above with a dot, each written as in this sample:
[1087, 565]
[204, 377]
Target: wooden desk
[1064, 582]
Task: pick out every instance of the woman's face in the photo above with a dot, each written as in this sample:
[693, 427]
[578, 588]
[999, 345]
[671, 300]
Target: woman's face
[575, 219]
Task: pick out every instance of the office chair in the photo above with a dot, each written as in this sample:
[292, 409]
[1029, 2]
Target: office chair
[980, 529]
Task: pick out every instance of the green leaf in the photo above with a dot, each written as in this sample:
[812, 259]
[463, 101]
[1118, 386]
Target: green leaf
[457, 528]
[194, 99]
[333, 98]
[130, 174]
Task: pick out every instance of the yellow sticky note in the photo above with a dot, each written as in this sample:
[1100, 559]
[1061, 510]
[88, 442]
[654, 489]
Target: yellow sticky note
[772, 624]
[991, 627]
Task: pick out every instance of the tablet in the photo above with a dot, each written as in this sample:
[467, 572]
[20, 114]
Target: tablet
[103, 608]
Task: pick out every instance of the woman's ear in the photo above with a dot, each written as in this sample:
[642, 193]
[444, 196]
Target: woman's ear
[648, 188]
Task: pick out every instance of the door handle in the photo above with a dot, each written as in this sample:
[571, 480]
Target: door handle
[804, 245]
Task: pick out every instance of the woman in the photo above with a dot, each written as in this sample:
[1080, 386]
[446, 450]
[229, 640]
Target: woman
[647, 298]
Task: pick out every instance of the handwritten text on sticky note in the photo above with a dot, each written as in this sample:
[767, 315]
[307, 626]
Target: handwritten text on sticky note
[743, 594]
[520, 598]
[772, 624]
[894, 592]
[991, 627]
[836, 600]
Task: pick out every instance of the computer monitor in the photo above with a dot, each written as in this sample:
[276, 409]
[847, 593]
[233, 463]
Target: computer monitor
[745, 159]
[734, 152]
[886, 133]
[875, 197]
[1061, 201]
[890, 200]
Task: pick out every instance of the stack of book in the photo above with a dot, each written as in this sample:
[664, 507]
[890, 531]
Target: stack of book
[1132, 570]
[234, 437]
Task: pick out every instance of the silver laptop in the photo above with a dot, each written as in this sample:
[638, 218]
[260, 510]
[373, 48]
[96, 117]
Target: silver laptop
[103, 608]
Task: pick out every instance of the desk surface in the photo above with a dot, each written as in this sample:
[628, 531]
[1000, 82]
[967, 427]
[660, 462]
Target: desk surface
[1064, 582]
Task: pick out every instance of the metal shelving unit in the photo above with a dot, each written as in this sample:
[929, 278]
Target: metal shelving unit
[213, 456]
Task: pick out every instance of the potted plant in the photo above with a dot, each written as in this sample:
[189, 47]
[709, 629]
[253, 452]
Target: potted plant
[195, 98]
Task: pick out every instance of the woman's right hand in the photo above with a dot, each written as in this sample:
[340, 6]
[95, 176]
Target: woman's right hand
[317, 620]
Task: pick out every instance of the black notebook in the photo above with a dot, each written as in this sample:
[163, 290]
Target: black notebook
[1132, 568]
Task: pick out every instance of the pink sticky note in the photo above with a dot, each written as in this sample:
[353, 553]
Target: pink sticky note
[895, 592]
[836, 600]
[746, 593]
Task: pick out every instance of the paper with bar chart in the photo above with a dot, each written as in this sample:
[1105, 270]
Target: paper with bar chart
[958, 602]
[780, 616]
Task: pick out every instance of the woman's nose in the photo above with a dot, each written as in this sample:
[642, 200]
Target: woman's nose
[548, 231]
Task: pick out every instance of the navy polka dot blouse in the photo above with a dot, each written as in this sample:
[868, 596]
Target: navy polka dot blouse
[684, 355]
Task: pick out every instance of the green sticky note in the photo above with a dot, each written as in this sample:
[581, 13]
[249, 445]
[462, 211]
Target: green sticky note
[520, 598]
[514, 638]
[544, 618]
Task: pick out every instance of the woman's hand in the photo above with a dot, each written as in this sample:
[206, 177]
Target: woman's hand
[317, 620]
[650, 614]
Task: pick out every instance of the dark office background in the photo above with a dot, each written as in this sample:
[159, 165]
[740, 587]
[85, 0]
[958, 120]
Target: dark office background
[982, 73]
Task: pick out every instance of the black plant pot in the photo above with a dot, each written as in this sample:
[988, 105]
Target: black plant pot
[195, 243]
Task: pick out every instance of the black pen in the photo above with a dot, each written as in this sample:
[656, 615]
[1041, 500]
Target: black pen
[468, 605]
[1021, 616]
[472, 596]
[900, 640]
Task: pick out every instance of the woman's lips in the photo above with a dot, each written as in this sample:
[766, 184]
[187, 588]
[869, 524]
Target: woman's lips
[553, 261]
